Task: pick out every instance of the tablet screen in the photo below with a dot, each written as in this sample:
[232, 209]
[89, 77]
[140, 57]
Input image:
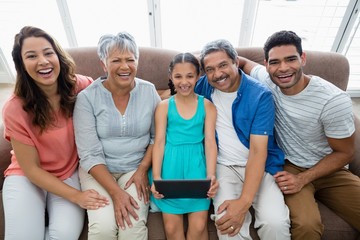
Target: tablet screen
[194, 188]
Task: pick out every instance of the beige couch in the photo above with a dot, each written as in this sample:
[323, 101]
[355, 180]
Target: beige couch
[153, 66]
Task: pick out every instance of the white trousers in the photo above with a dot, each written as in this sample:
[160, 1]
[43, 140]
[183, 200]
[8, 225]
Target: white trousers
[25, 205]
[102, 223]
[271, 213]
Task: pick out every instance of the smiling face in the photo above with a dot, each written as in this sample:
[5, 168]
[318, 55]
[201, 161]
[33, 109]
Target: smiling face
[222, 72]
[285, 68]
[40, 61]
[121, 67]
[184, 76]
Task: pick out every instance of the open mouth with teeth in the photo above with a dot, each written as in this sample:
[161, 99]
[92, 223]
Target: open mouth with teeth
[124, 74]
[221, 80]
[184, 88]
[285, 78]
[45, 72]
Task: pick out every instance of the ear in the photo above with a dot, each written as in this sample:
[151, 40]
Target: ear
[266, 65]
[237, 61]
[103, 65]
[303, 59]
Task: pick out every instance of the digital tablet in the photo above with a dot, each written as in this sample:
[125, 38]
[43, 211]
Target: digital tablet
[193, 188]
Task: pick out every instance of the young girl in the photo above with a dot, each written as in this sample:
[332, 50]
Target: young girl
[184, 126]
[43, 172]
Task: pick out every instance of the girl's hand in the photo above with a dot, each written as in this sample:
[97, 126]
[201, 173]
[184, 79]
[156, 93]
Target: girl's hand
[156, 194]
[91, 200]
[214, 185]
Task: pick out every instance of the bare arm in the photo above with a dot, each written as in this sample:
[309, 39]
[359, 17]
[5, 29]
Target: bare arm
[254, 172]
[255, 168]
[343, 153]
[164, 94]
[140, 177]
[210, 146]
[28, 159]
[246, 64]
[159, 145]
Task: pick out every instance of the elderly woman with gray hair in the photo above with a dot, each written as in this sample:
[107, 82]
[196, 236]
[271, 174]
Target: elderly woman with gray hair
[114, 132]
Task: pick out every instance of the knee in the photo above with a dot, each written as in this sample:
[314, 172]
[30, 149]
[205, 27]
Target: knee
[103, 230]
[274, 227]
[280, 222]
[273, 219]
[275, 230]
[65, 229]
[137, 231]
[64, 234]
[307, 229]
[198, 227]
[172, 229]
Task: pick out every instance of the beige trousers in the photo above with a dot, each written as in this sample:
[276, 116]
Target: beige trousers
[339, 191]
[271, 214]
[102, 223]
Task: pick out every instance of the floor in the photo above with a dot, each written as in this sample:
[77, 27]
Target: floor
[6, 90]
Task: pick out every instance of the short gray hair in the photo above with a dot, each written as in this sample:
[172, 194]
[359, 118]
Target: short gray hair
[218, 45]
[122, 41]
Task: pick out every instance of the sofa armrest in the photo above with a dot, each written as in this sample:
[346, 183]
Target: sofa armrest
[355, 164]
[5, 156]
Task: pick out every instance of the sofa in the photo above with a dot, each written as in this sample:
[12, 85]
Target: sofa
[153, 66]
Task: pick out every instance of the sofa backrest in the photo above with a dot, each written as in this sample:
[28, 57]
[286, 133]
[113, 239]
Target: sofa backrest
[154, 62]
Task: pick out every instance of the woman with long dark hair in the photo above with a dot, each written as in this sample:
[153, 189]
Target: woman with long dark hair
[43, 172]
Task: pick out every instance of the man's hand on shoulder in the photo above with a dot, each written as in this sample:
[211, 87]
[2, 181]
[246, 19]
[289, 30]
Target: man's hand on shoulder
[246, 64]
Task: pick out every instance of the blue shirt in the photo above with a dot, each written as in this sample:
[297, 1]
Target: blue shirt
[253, 112]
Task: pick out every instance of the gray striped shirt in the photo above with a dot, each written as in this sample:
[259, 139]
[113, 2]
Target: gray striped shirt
[305, 120]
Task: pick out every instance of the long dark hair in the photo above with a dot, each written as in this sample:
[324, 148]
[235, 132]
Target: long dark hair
[182, 58]
[35, 100]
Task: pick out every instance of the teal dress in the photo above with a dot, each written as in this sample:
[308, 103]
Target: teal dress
[184, 157]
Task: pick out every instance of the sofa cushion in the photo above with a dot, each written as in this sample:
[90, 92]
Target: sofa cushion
[5, 148]
[335, 227]
[355, 165]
